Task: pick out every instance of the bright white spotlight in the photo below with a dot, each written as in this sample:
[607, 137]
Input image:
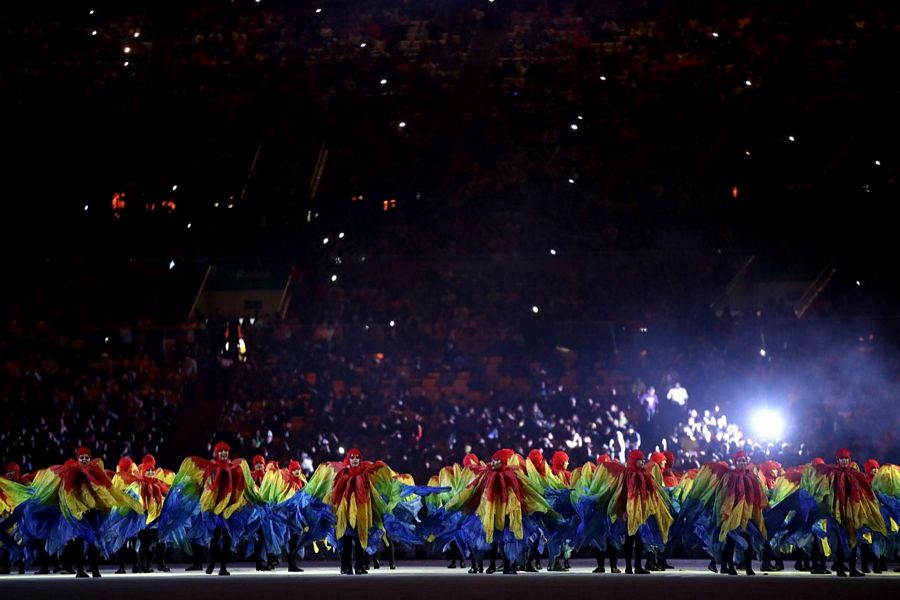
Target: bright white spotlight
[768, 424]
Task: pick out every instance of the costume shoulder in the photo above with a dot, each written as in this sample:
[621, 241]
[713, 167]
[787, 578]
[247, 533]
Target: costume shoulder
[11, 495]
[887, 481]
[322, 481]
[191, 470]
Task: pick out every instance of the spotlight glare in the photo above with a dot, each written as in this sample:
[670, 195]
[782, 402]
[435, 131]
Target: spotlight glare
[768, 424]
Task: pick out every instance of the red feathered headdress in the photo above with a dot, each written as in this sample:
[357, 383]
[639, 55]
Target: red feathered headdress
[125, 464]
[82, 451]
[470, 460]
[149, 458]
[658, 458]
[560, 460]
[259, 459]
[670, 458]
[603, 458]
[634, 456]
[12, 467]
[503, 455]
[739, 455]
[536, 457]
[842, 453]
[769, 466]
[818, 460]
[148, 466]
[871, 464]
[221, 447]
[294, 465]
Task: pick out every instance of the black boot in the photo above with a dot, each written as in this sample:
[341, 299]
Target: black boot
[160, 554]
[225, 553]
[492, 567]
[292, 554]
[507, 567]
[94, 561]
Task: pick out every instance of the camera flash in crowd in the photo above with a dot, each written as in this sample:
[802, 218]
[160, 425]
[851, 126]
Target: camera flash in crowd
[85, 207]
[383, 82]
[402, 124]
[392, 323]
[535, 309]
[341, 235]
[94, 32]
[171, 264]
[552, 251]
[571, 180]
[175, 188]
[318, 11]
[127, 49]
[324, 240]
[333, 278]
[137, 34]
[762, 352]
[791, 138]
[574, 126]
[877, 163]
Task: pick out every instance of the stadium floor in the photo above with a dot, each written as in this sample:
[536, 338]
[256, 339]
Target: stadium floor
[432, 580]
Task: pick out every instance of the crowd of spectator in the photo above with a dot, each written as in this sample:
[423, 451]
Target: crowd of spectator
[525, 212]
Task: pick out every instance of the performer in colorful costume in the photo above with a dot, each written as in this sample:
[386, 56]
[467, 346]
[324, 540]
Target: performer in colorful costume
[885, 480]
[125, 524]
[360, 493]
[503, 502]
[729, 511]
[12, 493]
[847, 505]
[633, 507]
[206, 506]
[68, 508]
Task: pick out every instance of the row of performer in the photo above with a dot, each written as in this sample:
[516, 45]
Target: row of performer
[509, 512]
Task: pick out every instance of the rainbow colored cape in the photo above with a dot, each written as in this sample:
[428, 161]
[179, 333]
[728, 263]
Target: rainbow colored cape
[845, 496]
[500, 498]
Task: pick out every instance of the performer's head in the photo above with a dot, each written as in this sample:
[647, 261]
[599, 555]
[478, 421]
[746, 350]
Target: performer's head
[12, 471]
[818, 460]
[259, 463]
[84, 456]
[603, 458]
[560, 461]
[871, 467]
[500, 458]
[536, 457]
[741, 459]
[354, 457]
[125, 464]
[771, 468]
[659, 458]
[294, 468]
[843, 457]
[470, 460]
[222, 451]
[149, 458]
[670, 459]
[636, 459]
